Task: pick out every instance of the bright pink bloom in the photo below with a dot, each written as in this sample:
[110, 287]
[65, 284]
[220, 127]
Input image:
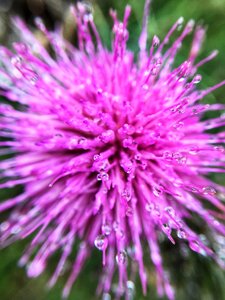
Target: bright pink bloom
[111, 151]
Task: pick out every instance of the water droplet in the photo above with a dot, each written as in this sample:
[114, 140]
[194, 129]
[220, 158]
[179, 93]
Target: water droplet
[156, 212]
[158, 62]
[16, 229]
[170, 211]
[194, 150]
[154, 71]
[149, 207]
[128, 142]
[16, 61]
[106, 296]
[178, 125]
[204, 239]
[4, 226]
[121, 257]
[155, 41]
[120, 233]
[115, 225]
[88, 15]
[81, 141]
[129, 211]
[126, 194]
[168, 156]
[106, 229]
[181, 234]
[221, 241]
[96, 157]
[99, 177]
[104, 165]
[107, 136]
[157, 190]
[182, 160]
[177, 155]
[197, 79]
[219, 149]
[194, 189]
[208, 190]
[137, 156]
[127, 165]
[130, 290]
[180, 22]
[191, 24]
[33, 80]
[166, 229]
[105, 176]
[101, 242]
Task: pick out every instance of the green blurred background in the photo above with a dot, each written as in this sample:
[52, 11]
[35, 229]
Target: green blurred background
[194, 277]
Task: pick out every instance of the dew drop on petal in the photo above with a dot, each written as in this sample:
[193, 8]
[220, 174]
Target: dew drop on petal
[82, 141]
[181, 234]
[168, 156]
[120, 234]
[115, 225]
[129, 211]
[194, 150]
[156, 212]
[194, 189]
[106, 296]
[208, 190]
[126, 194]
[106, 229]
[149, 207]
[197, 79]
[158, 62]
[101, 242]
[105, 176]
[121, 257]
[130, 290]
[180, 22]
[157, 191]
[178, 125]
[170, 211]
[166, 229]
[99, 177]
[15, 229]
[33, 79]
[96, 157]
[137, 156]
[16, 61]
[154, 71]
[4, 226]
[155, 41]
[219, 149]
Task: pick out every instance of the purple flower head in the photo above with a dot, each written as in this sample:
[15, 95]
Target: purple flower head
[111, 150]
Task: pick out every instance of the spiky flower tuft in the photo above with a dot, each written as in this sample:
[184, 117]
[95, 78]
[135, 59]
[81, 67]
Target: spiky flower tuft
[111, 150]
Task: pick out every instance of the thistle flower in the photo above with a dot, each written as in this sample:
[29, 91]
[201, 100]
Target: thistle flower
[111, 150]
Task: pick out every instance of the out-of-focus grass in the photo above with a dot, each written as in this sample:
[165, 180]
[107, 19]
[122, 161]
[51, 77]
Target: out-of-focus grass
[194, 277]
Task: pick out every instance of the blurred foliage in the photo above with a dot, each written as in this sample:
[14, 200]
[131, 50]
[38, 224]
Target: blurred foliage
[194, 277]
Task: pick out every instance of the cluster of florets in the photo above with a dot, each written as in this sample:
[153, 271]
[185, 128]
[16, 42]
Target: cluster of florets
[110, 150]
